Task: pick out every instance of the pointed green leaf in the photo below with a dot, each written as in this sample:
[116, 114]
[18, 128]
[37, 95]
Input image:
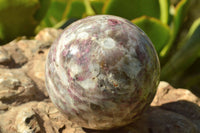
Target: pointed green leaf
[180, 14]
[131, 9]
[89, 9]
[164, 10]
[181, 11]
[158, 32]
[185, 56]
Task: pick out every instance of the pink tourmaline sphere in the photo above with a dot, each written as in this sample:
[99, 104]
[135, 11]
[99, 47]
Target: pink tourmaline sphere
[102, 72]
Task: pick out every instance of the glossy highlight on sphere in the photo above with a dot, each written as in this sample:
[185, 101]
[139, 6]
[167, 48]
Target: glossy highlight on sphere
[102, 72]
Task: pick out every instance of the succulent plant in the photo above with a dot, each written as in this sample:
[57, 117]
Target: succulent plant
[102, 72]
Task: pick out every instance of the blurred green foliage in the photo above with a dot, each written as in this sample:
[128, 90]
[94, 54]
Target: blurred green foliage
[129, 8]
[172, 25]
[54, 14]
[20, 17]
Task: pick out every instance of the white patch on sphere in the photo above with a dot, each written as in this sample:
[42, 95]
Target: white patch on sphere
[74, 69]
[68, 39]
[82, 35]
[108, 43]
[94, 69]
[73, 49]
[87, 84]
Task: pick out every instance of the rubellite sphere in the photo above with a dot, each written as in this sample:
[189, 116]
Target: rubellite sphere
[102, 72]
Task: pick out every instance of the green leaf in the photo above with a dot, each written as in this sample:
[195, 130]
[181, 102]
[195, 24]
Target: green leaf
[54, 14]
[164, 10]
[41, 12]
[19, 18]
[75, 9]
[181, 11]
[158, 32]
[180, 14]
[131, 9]
[97, 5]
[185, 56]
[89, 10]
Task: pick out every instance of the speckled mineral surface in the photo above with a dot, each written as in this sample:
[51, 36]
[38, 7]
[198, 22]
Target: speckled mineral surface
[102, 72]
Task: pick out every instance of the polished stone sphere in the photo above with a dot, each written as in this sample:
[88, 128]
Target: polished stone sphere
[102, 72]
